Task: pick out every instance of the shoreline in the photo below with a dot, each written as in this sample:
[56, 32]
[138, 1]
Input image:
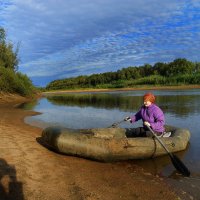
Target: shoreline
[35, 172]
[181, 87]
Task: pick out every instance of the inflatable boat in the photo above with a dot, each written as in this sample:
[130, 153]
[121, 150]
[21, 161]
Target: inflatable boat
[111, 144]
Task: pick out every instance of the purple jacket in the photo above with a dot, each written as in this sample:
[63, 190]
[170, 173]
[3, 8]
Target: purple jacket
[152, 114]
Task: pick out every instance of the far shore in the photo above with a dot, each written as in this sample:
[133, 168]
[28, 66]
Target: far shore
[179, 87]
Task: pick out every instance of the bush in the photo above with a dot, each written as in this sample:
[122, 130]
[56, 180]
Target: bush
[15, 82]
[150, 80]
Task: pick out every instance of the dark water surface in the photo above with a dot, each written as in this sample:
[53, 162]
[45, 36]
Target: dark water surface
[91, 110]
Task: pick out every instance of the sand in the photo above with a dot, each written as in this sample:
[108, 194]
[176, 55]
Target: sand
[30, 171]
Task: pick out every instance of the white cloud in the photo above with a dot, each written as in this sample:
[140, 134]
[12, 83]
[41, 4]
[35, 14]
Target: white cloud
[78, 36]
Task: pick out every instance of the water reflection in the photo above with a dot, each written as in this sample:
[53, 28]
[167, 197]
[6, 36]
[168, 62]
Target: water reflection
[178, 105]
[106, 101]
[28, 106]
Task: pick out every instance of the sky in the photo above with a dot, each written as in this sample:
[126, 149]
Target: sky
[67, 38]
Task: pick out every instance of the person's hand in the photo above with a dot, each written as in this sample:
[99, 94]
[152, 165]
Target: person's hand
[147, 123]
[127, 119]
[114, 125]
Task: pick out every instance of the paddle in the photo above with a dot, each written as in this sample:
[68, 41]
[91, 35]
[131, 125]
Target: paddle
[175, 160]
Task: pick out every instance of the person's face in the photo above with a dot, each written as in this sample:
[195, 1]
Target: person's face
[147, 103]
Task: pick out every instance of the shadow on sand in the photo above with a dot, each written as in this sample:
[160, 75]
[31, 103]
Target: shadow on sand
[10, 187]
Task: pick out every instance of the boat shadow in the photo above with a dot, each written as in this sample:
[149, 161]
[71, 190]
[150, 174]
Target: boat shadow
[42, 143]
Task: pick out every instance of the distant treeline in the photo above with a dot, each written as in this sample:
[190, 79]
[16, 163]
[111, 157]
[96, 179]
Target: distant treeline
[10, 80]
[180, 71]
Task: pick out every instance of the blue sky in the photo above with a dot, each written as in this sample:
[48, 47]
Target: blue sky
[67, 38]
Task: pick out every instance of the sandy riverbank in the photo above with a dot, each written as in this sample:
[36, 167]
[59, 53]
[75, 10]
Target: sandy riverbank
[30, 171]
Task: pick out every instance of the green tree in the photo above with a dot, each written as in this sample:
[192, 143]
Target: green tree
[180, 66]
[8, 57]
[2, 35]
[121, 74]
[196, 67]
[145, 70]
[160, 68]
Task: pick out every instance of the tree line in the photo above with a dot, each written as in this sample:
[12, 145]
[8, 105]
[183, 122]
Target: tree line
[179, 71]
[11, 80]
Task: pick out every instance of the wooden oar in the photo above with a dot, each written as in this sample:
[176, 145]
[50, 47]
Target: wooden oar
[178, 164]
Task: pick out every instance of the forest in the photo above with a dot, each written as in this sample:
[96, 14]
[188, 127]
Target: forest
[178, 72]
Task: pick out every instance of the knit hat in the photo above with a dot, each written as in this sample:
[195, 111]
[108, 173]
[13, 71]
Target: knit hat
[149, 97]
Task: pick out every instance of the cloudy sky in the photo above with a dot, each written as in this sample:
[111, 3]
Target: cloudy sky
[67, 38]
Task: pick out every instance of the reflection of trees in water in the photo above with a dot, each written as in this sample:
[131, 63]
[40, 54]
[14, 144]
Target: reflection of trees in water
[181, 105]
[10, 188]
[28, 106]
[107, 101]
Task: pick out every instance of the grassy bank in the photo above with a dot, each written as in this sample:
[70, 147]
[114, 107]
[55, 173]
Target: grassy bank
[15, 83]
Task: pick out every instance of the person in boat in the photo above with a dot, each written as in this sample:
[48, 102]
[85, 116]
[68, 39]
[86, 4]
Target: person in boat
[151, 115]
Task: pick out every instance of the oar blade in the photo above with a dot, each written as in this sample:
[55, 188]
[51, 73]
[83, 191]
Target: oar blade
[175, 160]
[178, 164]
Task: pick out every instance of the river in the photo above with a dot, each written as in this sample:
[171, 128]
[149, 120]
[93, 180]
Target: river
[102, 109]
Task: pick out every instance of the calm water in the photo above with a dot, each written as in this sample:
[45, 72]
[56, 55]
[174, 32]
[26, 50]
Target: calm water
[91, 110]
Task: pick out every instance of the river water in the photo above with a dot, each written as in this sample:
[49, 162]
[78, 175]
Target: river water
[102, 109]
